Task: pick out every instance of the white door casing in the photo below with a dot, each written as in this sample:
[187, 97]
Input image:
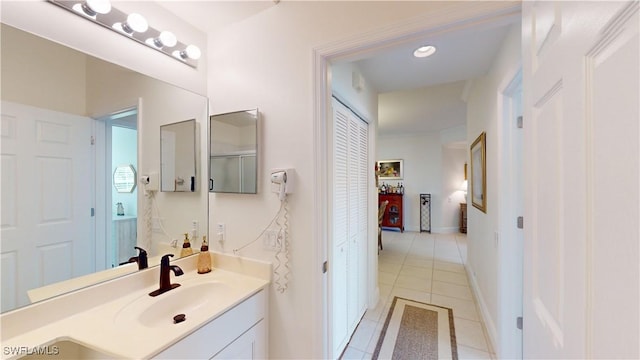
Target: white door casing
[511, 207]
[581, 156]
[47, 227]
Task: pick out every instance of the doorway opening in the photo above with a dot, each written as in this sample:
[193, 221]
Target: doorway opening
[121, 205]
[466, 18]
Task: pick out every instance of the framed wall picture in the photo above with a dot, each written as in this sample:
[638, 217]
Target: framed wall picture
[479, 173]
[390, 169]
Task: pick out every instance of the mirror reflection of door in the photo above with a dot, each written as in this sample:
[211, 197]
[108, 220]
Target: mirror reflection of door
[121, 206]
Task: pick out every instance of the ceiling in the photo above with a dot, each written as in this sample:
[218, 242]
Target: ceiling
[416, 95]
[209, 16]
[429, 94]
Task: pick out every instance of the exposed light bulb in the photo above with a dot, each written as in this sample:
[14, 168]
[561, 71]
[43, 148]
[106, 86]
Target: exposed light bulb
[98, 6]
[424, 51]
[135, 22]
[133, 27]
[168, 39]
[92, 8]
[193, 52]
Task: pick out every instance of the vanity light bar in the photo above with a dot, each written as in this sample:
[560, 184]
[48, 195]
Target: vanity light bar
[133, 26]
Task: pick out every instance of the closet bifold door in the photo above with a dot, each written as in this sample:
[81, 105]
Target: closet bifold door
[348, 257]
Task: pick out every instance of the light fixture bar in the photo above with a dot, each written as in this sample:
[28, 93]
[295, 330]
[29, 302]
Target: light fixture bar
[120, 22]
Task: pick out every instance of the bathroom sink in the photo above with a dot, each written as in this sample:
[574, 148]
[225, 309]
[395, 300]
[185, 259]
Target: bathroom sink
[65, 349]
[193, 300]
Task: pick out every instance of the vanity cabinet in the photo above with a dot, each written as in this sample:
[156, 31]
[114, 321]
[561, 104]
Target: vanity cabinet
[239, 333]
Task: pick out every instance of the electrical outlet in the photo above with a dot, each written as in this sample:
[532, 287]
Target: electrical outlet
[194, 228]
[220, 232]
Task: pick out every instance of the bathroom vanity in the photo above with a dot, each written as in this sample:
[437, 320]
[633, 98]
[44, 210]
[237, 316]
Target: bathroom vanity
[225, 316]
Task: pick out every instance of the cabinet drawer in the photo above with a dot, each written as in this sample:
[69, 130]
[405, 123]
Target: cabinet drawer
[220, 332]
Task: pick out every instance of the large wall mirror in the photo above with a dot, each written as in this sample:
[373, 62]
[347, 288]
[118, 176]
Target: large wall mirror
[233, 152]
[178, 156]
[69, 123]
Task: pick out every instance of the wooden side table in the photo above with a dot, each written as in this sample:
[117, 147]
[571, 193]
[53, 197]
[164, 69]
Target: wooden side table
[463, 218]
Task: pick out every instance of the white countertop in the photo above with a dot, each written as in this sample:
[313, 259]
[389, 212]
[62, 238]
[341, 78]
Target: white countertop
[103, 325]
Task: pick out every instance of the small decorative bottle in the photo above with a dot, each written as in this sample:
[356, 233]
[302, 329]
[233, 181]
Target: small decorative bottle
[120, 209]
[204, 257]
[186, 246]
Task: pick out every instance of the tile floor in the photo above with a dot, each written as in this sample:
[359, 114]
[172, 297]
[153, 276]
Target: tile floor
[428, 268]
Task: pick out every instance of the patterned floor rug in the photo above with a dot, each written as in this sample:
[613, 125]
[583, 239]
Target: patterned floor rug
[415, 330]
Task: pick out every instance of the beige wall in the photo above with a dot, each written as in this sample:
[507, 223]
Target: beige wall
[39, 73]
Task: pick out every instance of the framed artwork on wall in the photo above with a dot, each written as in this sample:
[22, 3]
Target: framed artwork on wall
[479, 173]
[390, 169]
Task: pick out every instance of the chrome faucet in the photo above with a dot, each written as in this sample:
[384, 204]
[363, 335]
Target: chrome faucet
[165, 276]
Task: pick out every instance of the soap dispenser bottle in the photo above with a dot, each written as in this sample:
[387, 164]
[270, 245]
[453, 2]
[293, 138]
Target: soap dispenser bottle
[204, 258]
[186, 246]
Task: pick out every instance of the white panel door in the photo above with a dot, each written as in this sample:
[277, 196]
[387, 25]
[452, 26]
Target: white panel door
[47, 228]
[581, 156]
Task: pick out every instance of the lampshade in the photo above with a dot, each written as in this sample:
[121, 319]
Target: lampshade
[464, 186]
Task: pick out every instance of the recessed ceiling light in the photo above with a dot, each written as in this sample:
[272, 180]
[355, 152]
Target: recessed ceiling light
[424, 51]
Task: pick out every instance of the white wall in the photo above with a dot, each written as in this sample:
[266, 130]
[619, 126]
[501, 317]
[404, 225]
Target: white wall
[430, 167]
[267, 61]
[483, 258]
[363, 101]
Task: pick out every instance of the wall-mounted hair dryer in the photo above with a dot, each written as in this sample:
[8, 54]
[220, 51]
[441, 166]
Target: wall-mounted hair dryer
[282, 182]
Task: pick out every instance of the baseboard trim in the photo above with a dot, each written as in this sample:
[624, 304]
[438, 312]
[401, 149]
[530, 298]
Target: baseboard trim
[484, 311]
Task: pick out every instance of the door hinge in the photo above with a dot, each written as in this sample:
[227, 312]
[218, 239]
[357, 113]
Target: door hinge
[519, 322]
[324, 267]
[520, 222]
[93, 212]
[520, 122]
[93, 140]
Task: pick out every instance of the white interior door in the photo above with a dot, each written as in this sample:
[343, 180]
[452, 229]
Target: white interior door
[581, 73]
[47, 196]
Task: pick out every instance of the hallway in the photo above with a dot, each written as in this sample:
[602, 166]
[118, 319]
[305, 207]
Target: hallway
[427, 268]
